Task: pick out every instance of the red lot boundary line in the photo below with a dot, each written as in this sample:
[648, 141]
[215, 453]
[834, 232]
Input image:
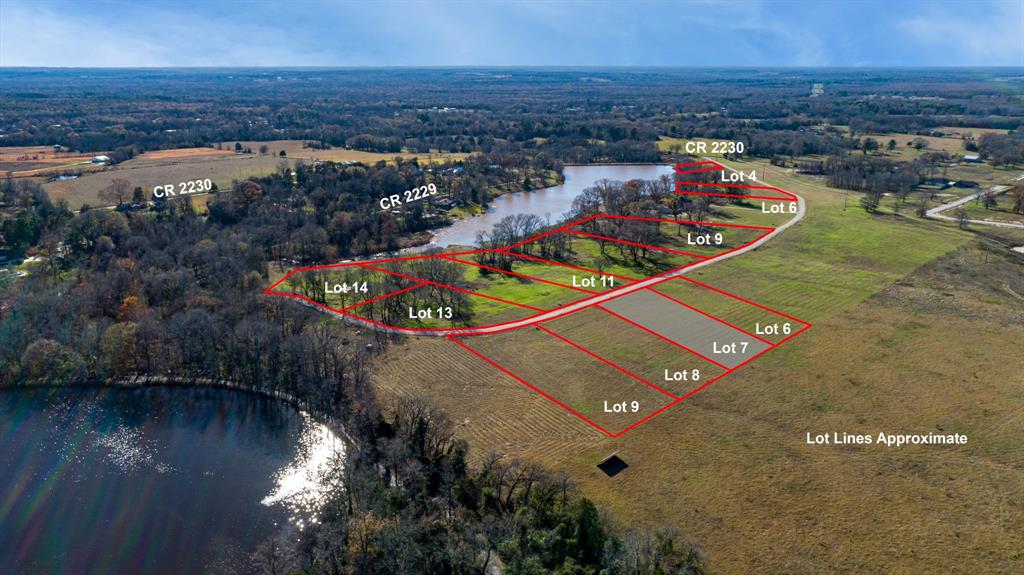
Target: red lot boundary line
[380, 297]
[511, 273]
[755, 304]
[678, 399]
[789, 197]
[700, 163]
[706, 314]
[582, 269]
[680, 222]
[698, 171]
[549, 232]
[470, 330]
[607, 362]
[527, 384]
[654, 333]
[629, 243]
[453, 288]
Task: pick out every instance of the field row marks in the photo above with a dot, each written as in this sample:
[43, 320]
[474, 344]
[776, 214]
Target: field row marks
[579, 381]
[650, 357]
[620, 344]
[697, 332]
[751, 318]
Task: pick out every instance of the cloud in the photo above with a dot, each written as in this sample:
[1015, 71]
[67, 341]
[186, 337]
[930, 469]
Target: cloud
[448, 33]
[992, 35]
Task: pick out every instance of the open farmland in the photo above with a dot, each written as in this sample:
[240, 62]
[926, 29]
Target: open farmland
[297, 149]
[148, 172]
[25, 161]
[588, 386]
[730, 464]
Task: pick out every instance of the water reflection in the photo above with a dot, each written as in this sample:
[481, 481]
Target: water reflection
[155, 480]
[548, 203]
[302, 486]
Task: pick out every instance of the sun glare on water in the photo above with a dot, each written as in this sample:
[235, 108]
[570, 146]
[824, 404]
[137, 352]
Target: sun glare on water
[303, 485]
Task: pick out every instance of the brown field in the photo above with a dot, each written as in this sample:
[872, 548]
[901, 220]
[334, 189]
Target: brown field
[554, 367]
[916, 330]
[957, 132]
[294, 149]
[24, 161]
[635, 350]
[948, 144]
[182, 153]
[148, 173]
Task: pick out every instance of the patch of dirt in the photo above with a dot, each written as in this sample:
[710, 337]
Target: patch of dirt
[976, 280]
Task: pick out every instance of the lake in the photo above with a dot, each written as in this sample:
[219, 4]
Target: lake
[152, 480]
[547, 203]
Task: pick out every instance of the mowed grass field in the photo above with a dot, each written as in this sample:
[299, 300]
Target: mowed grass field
[916, 330]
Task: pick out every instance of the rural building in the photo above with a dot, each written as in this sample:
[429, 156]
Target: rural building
[444, 203]
[941, 183]
[973, 158]
[966, 184]
[100, 159]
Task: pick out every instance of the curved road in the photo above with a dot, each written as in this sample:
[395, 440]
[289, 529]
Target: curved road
[936, 213]
[574, 307]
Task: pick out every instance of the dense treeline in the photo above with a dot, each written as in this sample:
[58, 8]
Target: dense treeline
[573, 115]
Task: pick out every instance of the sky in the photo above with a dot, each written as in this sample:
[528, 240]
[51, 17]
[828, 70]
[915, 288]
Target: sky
[522, 33]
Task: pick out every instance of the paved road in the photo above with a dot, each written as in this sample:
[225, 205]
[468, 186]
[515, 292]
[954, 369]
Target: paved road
[627, 289]
[936, 213]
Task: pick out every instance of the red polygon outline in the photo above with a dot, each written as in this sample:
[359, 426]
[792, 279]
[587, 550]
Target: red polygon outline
[370, 264]
[455, 334]
[518, 275]
[790, 197]
[806, 325]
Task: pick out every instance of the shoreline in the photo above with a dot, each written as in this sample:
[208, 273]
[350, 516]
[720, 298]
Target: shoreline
[142, 381]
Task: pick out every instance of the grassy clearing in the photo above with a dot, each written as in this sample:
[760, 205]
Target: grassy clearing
[906, 339]
[24, 161]
[588, 253]
[520, 290]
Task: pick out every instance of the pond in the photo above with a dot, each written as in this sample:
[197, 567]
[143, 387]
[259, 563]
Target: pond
[152, 480]
[546, 203]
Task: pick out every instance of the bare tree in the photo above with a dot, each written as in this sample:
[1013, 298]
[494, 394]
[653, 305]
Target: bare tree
[117, 192]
